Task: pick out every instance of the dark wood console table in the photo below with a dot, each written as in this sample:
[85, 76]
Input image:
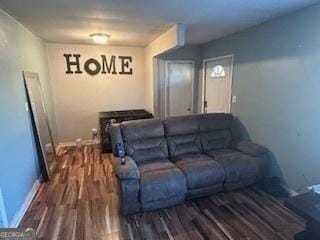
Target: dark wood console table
[307, 205]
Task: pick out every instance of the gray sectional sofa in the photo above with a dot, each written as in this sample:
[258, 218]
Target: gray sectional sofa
[183, 158]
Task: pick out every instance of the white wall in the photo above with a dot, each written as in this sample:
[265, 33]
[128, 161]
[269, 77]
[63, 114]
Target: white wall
[173, 38]
[79, 97]
[187, 52]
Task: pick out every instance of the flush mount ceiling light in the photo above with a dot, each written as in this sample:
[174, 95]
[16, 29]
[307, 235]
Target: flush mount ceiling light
[100, 38]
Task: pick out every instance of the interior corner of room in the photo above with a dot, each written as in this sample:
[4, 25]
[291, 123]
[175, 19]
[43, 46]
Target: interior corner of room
[265, 74]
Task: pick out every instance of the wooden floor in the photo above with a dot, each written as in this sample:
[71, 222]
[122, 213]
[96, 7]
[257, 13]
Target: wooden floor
[81, 202]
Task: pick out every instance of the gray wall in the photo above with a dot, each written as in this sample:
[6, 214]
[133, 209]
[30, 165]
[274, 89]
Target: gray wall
[276, 81]
[19, 50]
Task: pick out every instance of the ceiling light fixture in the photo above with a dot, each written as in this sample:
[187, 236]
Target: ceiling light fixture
[100, 38]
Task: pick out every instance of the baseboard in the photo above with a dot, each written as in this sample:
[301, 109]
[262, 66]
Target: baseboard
[73, 144]
[290, 191]
[19, 215]
[64, 144]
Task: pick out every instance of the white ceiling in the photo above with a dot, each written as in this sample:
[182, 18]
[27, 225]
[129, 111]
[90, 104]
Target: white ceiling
[138, 22]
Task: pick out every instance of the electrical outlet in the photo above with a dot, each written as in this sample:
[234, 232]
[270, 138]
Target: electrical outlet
[94, 132]
[79, 142]
[48, 148]
[234, 99]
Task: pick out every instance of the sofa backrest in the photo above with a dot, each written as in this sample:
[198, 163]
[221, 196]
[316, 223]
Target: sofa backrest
[152, 139]
[215, 130]
[182, 135]
[144, 140]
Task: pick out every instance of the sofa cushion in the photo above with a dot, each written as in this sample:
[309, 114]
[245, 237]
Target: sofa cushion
[215, 153]
[250, 148]
[142, 129]
[147, 149]
[182, 135]
[144, 140]
[200, 170]
[182, 145]
[161, 185]
[217, 139]
[156, 165]
[183, 125]
[214, 121]
[238, 166]
[215, 130]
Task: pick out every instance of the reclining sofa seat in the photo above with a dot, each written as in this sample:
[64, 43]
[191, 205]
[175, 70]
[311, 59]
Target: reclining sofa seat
[219, 139]
[183, 158]
[203, 174]
[158, 182]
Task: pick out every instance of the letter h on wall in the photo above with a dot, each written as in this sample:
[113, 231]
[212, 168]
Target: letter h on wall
[70, 63]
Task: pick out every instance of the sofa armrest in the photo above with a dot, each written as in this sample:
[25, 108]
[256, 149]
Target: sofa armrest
[128, 175]
[116, 137]
[258, 152]
[250, 148]
[129, 170]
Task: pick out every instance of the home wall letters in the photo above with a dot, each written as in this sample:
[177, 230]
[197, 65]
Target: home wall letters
[106, 65]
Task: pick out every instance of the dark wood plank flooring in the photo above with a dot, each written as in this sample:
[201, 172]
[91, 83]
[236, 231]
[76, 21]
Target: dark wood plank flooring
[81, 202]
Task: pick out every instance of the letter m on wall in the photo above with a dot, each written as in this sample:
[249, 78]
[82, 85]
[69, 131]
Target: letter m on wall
[111, 68]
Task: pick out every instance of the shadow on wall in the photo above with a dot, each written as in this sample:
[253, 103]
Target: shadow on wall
[275, 170]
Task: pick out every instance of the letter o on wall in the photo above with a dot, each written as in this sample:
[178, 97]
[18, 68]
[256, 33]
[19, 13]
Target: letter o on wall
[92, 61]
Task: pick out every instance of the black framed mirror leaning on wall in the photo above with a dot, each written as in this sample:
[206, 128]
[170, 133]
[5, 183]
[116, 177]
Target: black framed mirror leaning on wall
[40, 124]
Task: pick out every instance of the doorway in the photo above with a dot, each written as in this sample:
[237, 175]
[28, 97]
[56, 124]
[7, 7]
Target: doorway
[179, 87]
[217, 84]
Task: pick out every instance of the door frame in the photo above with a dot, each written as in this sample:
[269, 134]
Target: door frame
[167, 62]
[203, 88]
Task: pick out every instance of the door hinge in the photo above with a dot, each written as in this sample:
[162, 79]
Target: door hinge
[205, 105]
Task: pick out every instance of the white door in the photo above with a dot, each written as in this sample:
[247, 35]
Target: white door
[179, 88]
[218, 84]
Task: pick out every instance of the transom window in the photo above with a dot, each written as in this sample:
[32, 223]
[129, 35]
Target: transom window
[217, 71]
